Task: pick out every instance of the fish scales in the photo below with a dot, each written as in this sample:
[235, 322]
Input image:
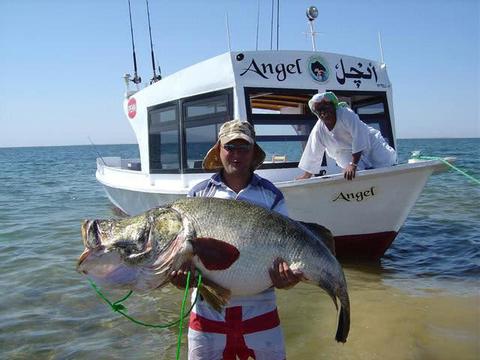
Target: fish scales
[261, 237]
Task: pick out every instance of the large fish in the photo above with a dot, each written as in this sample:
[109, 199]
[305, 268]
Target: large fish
[232, 243]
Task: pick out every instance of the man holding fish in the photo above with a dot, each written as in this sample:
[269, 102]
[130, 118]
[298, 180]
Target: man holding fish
[236, 155]
[242, 248]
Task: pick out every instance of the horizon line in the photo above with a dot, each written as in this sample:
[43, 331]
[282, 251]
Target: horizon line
[110, 144]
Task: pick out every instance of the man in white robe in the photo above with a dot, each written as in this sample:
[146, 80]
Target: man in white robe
[340, 132]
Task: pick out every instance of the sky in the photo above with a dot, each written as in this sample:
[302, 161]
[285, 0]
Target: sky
[62, 61]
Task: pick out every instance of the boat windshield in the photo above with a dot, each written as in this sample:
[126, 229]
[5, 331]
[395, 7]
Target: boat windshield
[163, 137]
[182, 131]
[202, 117]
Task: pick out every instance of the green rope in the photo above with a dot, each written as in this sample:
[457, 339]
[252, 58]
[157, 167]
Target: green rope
[118, 307]
[416, 156]
[182, 309]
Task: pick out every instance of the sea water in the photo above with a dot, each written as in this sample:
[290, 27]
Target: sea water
[420, 301]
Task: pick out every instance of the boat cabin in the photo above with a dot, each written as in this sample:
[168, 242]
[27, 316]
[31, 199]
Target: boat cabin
[176, 120]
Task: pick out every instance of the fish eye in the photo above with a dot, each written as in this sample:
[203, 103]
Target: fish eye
[125, 247]
[129, 247]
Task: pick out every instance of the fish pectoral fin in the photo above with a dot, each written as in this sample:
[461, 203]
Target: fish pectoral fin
[215, 254]
[215, 295]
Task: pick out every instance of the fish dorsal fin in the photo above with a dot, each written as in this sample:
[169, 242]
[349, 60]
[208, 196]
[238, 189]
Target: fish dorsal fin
[322, 233]
[215, 254]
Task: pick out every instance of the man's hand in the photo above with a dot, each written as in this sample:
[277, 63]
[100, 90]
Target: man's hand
[349, 172]
[179, 277]
[282, 276]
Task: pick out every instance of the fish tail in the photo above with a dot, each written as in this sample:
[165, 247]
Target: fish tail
[338, 290]
[343, 318]
[343, 325]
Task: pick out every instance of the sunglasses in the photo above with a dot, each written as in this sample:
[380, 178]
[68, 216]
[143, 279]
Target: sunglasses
[237, 147]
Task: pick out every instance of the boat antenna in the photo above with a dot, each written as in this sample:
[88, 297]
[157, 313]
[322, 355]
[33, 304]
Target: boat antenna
[312, 13]
[381, 47]
[258, 20]
[228, 31]
[155, 77]
[136, 79]
[271, 28]
[278, 20]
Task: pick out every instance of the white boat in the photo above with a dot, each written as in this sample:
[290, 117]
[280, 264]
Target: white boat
[176, 121]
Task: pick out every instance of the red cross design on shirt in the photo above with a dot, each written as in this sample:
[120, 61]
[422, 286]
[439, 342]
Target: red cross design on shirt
[235, 328]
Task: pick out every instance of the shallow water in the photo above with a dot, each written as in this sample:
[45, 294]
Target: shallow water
[387, 322]
[421, 301]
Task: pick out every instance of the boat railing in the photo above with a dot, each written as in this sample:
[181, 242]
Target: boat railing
[118, 163]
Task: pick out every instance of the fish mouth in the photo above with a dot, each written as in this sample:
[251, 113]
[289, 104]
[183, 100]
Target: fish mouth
[90, 241]
[90, 234]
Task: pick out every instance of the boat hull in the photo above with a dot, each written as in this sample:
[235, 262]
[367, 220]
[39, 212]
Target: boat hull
[364, 246]
[364, 215]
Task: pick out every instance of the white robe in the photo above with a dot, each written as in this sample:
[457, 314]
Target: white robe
[350, 135]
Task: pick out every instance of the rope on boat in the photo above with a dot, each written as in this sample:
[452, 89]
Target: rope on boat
[416, 155]
[118, 307]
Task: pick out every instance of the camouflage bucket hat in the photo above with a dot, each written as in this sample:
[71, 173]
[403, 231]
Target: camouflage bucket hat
[232, 130]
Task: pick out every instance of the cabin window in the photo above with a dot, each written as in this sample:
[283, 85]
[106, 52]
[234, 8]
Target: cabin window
[207, 107]
[372, 112]
[283, 120]
[203, 116]
[163, 138]
[282, 123]
[372, 109]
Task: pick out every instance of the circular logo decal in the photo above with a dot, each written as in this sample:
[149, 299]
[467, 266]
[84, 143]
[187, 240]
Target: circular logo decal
[132, 108]
[318, 69]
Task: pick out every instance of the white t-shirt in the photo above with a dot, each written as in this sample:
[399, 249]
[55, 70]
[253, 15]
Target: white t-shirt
[349, 136]
[267, 344]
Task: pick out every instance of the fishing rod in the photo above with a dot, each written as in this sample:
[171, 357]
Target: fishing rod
[273, 21]
[228, 31]
[136, 79]
[258, 20]
[155, 77]
[95, 149]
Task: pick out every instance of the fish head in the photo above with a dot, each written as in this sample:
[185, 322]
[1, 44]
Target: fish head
[124, 253]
